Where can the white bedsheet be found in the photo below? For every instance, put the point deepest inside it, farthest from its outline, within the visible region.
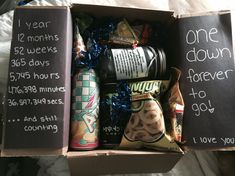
(193, 163)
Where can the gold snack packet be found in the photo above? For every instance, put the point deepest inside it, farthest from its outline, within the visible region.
(123, 35)
(173, 104)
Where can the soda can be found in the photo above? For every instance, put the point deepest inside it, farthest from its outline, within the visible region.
(111, 130)
(85, 110)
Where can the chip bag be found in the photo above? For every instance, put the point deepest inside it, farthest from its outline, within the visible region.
(146, 126)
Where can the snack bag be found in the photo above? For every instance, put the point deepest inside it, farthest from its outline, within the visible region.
(146, 127)
(147, 123)
(173, 104)
(124, 35)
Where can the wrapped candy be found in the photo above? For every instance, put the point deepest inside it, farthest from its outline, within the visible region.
(94, 37)
(124, 35)
(143, 32)
(173, 104)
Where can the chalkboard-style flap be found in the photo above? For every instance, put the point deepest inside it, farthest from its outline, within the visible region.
(37, 107)
(206, 59)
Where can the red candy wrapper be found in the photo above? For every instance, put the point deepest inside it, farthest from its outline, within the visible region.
(174, 107)
(143, 32)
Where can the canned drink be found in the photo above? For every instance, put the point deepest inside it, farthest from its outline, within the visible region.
(111, 130)
(85, 110)
(140, 63)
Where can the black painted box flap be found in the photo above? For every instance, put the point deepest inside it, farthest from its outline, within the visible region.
(37, 106)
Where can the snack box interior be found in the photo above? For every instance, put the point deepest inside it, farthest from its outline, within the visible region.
(203, 129)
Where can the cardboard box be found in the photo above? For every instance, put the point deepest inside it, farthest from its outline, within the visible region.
(204, 77)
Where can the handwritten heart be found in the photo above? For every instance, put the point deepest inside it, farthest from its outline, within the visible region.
(211, 110)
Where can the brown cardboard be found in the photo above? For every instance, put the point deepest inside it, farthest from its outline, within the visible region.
(111, 162)
(107, 161)
(33, 152)
(120, 162)
(129, 13)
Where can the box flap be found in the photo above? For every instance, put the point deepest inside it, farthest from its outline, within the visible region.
(120, 12)
(203, 14)
(37, 107)
(120, 162)
(33, 152)
(208, 80)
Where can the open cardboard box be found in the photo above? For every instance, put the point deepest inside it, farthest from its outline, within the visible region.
(190, 41)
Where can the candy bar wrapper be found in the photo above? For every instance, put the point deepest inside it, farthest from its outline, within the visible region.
(146, 126)
(124, 35)
(143, 32)
(174, 107)
(85, 110)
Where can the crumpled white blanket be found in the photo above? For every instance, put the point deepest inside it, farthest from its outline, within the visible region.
(193, 163)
